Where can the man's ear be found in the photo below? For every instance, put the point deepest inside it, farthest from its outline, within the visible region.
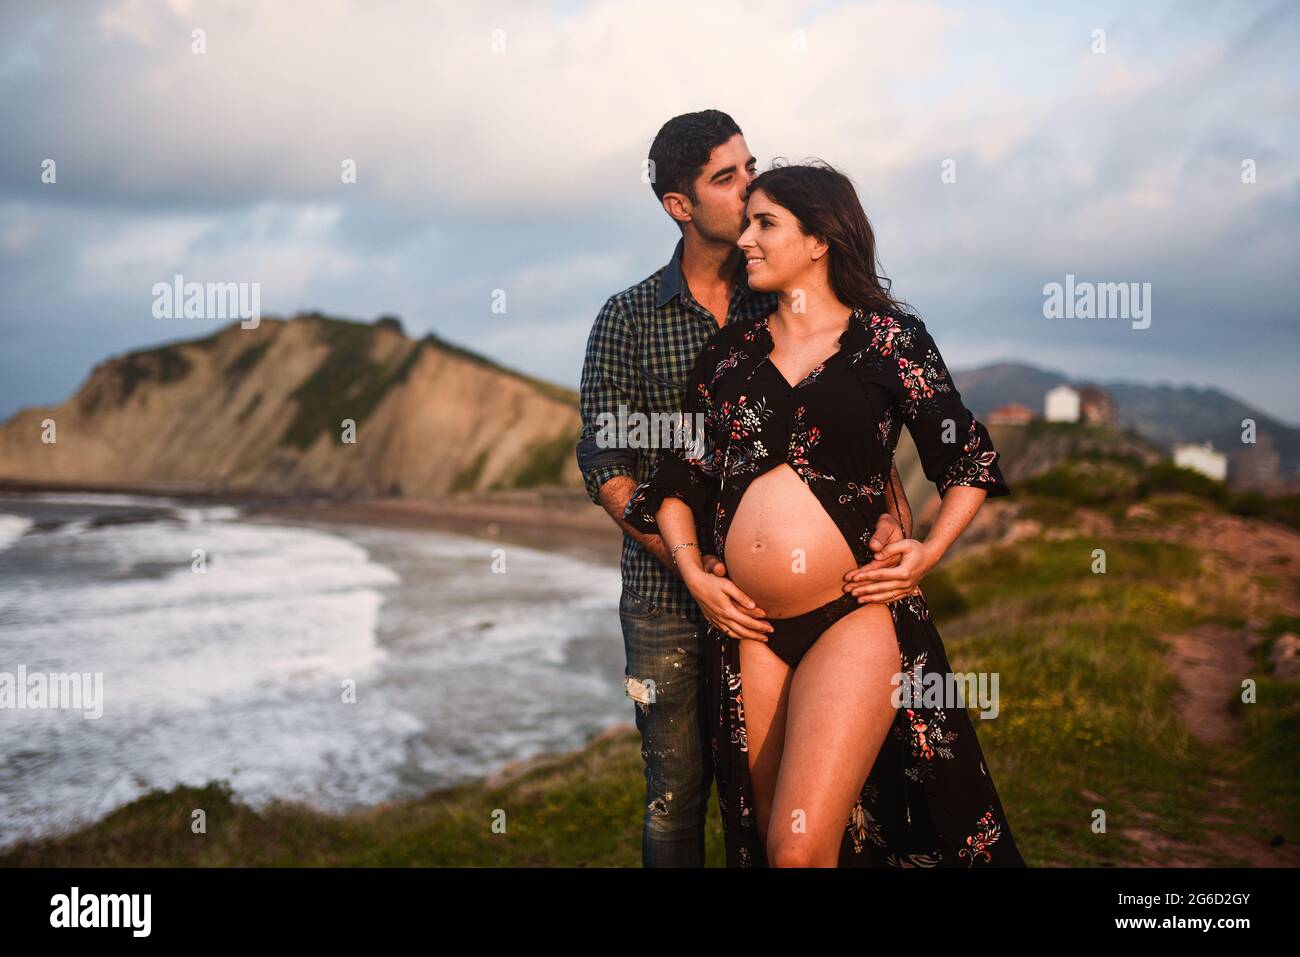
(678, 206)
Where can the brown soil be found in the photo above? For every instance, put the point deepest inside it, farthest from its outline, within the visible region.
(1210, 663)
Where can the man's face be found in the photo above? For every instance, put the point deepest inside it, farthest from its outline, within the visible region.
(721, 191)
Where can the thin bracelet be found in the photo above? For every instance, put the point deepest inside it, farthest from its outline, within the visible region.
(673, 553)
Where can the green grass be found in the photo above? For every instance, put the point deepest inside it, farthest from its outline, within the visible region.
(1092, 479)
(581, 808)
(544, 461)
(1088, 702)
(347, 384)
(247, 410)
(468, 477)
(1110, 481)
(549, 389)
(1271, 727)
(1284, 509)
(245, 362)
(162, 365)
(1085, 691)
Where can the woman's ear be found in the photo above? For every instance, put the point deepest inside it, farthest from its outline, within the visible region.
(818, 247)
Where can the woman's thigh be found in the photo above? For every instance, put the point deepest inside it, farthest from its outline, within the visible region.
(838, 710)
(766, 687)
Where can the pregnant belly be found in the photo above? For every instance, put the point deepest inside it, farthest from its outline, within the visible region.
(783, 549)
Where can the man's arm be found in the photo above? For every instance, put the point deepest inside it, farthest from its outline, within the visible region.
(896, 499)
(610, 379)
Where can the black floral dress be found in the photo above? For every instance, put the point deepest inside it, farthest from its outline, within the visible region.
(928, 800)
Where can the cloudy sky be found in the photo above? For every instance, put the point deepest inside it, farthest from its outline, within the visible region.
(499, 146)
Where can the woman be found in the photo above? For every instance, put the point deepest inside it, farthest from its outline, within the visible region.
(802, 411)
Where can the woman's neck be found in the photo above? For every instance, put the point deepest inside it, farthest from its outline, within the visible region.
(804, 313)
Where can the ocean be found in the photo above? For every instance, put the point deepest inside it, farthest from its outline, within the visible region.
(463, 657)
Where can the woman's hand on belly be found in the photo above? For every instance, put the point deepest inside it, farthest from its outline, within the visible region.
(724, 604)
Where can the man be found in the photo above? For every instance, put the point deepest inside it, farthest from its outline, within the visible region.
(642, 347)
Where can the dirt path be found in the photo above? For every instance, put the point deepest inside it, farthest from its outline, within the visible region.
(1210, 663)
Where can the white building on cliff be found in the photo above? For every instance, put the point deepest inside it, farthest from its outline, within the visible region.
(1201, 458)
(1061, 404)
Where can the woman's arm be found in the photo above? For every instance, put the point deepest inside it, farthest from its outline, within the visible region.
(721, 600)
(955, 450)
(676, 524)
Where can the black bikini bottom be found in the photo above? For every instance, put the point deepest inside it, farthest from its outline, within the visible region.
(792, 637)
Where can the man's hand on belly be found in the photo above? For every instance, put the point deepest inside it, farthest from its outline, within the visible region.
(713, 565)
(899, 575)
(887, 532)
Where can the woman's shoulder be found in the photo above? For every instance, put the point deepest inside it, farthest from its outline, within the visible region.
(902, 315)
(734, 334)
(898, 326)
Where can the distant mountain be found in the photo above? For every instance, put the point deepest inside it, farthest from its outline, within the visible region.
(1163, 413)
(264, 409)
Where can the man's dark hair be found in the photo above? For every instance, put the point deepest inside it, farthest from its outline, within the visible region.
(682, 147)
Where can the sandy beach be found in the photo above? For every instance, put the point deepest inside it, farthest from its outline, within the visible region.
(552, 519)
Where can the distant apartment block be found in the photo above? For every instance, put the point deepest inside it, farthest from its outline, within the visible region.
(1201, 457)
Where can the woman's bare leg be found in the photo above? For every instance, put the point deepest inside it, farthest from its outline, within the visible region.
(765, 687)
(838, 711)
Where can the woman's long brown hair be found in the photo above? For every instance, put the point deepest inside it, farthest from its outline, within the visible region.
(826, 205)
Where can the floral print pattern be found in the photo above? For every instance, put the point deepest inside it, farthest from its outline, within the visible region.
(928, 800)
(987, 833)
(802, 438)
(868, 490)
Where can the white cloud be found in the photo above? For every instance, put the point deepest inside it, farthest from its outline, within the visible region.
(521, 169)
(287, 250)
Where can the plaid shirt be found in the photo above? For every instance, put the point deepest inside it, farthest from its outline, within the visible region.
(642, 347)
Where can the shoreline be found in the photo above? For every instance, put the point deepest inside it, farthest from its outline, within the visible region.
(549, 519)
(538, 526)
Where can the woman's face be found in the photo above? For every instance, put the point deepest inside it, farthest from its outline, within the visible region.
(778, 256)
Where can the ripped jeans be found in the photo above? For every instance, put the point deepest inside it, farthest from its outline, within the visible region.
(665, 654)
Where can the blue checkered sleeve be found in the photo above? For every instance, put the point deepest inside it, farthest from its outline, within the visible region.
(609, 378)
